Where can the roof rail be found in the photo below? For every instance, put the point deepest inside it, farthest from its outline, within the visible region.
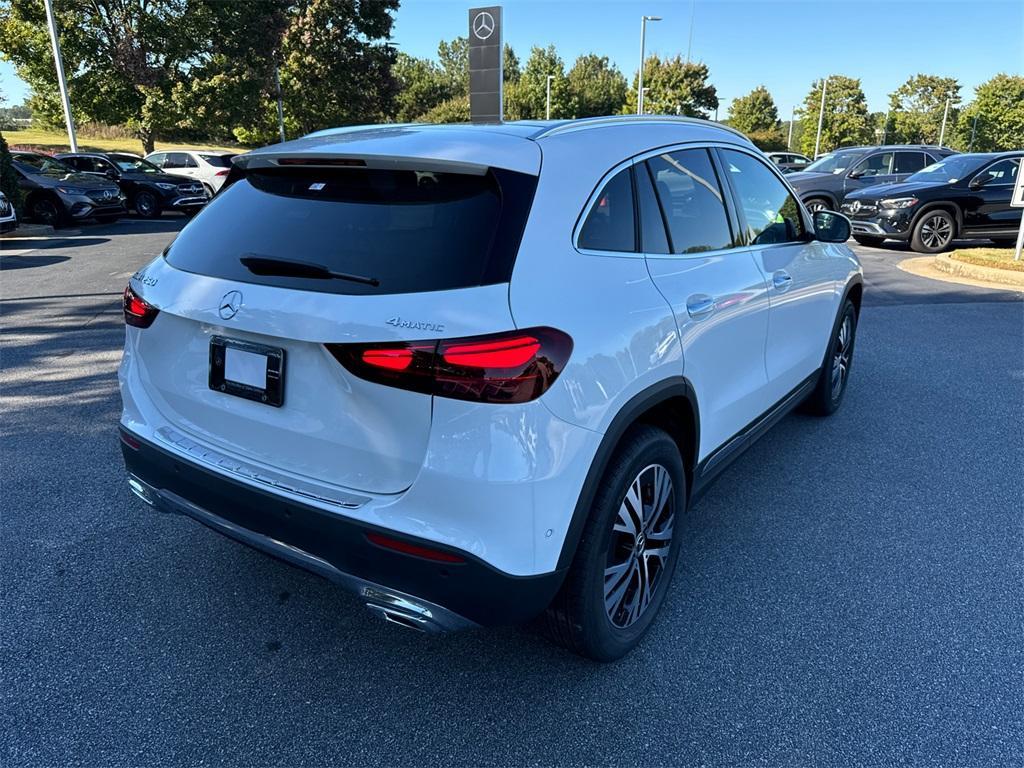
(600, 122)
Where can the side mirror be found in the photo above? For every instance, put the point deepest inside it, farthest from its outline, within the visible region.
(977, 182)
(831, 227)
(856, 174)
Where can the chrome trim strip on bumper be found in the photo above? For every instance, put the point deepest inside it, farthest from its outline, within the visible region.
(221, 463)
(190, 200)
(394, 606)
(867, 228)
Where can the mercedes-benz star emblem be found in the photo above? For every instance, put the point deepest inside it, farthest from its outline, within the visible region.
(230, 304)
(483, 25)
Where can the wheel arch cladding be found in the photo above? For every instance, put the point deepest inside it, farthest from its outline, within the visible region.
(670, 405)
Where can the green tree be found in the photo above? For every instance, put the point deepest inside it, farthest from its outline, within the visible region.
(754, 112)
(917, 106)
(421, 87)
(846, 115)
(454, 110)
(674, 87)
(529, 99)
(999, 108)
(597, 87)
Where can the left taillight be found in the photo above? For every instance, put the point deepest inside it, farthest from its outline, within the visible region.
(512, 367)
(138, 312)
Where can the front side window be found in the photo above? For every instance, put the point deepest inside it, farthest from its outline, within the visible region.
(609, 225)
(158, 159)
(691, 200)
(771, 212)
(875, 165)
(909, 162)
(1003, 172)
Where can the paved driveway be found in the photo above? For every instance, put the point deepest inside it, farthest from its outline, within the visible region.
(850, 592)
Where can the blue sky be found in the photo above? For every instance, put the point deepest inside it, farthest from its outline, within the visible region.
(782, 45)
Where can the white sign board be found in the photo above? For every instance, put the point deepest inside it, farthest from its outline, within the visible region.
(1017, 201)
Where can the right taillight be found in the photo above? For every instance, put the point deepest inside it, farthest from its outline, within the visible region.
(137, 311)
(511, 367)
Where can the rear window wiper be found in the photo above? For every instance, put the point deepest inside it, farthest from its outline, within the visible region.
(269, 266)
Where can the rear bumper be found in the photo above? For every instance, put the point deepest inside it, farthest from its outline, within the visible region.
(425, 594)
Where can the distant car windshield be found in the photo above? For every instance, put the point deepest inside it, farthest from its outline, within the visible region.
(834, 162)
(41, 164)
(949, 170)
(130, 164)
(220, 161)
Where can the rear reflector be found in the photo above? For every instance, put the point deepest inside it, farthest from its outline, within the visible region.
(512, 367)
(413, 549)
(130, 441)
(222, 173)
(138, 312)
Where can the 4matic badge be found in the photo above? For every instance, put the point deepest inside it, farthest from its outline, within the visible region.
(416, 325)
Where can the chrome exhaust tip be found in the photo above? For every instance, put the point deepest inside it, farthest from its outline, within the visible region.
(401, 610)
(143, 490)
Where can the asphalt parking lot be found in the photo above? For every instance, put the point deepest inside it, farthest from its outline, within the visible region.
(850, 592)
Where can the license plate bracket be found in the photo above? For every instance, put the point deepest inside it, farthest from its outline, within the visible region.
(235, 370)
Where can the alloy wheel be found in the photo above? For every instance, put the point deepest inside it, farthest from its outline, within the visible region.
(640, 545)
(936, 232)
(145, 204)
(46, 212)
(841, 357)
(817, 205)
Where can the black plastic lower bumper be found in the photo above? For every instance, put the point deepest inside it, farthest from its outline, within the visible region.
(470, 589)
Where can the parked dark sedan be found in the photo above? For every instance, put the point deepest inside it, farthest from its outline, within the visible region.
(825, 183)
(149, 190)
(960, 196)
(56, 194)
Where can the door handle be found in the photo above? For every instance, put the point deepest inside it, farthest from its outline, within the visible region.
(700, 305)
(781, 280)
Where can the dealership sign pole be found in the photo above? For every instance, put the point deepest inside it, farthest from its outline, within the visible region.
(486, 104)
(61, 82)
(1017, 201)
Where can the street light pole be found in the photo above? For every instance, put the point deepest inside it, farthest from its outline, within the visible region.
(640, 81)
(821, 117)
(61, 82)
(945, 114)
(974, 129)
(885, 127)
(689, 43)
(792, 119)
(280, 102)
(547, 111)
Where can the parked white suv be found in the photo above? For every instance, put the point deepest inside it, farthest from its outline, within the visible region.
(208, 166)
(474, 373)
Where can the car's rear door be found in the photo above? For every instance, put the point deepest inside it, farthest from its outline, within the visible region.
(718, 294)
(799, 271)
(908, 162)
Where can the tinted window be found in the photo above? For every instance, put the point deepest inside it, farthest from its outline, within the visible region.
(609, 224)
(220, 161)
(1003, 172)
(875, 165)
(800, 160)
(179, 160)
(33, 163)
(691, 199)
(411, 231)
(909, 162)
(772, 214)
(652, 223)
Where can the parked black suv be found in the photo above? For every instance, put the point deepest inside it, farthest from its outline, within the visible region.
(825, 183)
(148, 189)
(960, 196)
(56, 194)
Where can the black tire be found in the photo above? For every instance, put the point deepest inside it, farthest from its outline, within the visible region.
(871, 242)
(827, 397)
(47, 209)
(815, 204)
(578, 618)
(933, 231)
(147, 205)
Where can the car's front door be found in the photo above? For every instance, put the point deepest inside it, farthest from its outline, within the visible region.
(718, 295)
(800, 273)
(987, 208)
(874, 169)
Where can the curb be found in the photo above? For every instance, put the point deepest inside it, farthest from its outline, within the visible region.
(978, 272)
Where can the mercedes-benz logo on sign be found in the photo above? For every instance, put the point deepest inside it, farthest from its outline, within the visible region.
(230, 304)
(483, 25)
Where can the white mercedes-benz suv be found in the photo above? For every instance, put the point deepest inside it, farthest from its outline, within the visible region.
(479, 373)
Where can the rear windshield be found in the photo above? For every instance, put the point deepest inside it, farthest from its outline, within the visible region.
(221, 161)
(360, 231)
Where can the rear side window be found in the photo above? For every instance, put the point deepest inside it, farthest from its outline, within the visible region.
(609, 225)
(770, 211)
(691, 200)
(909, 162)
(399, 231)
(218, 161)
